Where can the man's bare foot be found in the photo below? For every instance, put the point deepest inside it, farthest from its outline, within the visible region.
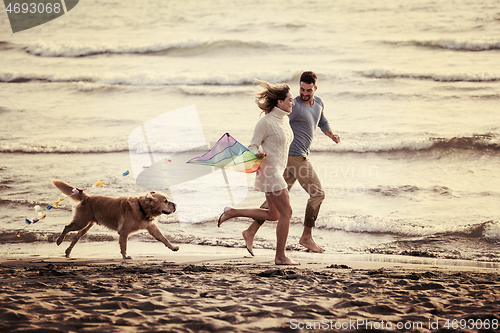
(311, 245)
(223, 217)
(285, 261)
(248, 241)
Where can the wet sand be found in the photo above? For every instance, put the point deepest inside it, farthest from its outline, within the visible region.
(232, 293)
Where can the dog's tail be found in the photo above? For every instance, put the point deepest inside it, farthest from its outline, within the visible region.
(69, 190)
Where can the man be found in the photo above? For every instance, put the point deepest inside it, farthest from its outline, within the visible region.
(307, 115)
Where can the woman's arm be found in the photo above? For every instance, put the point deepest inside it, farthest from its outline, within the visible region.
(259, 135)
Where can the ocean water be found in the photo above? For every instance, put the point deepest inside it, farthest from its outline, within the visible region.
(411, 87)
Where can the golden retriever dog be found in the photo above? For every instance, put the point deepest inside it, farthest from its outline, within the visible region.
(125, 215)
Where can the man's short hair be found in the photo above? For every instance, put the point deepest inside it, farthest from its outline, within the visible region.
(309, 77)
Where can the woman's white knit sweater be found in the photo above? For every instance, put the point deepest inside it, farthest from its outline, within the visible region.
(274, 134)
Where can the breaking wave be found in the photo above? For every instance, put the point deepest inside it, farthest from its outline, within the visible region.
(150, 78)
(185, 48)
(459, 77)
(451, 44)
(484, 142)
(478, 142)
(489, 230)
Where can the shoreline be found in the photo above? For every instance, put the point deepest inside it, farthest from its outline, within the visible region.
(108, 251)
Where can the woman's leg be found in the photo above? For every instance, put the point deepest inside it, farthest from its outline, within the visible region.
(249, 234)
(270, 214)
(279, 209)
(251, 231)
(281, 201)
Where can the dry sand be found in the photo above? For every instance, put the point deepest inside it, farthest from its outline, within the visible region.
(197, 294)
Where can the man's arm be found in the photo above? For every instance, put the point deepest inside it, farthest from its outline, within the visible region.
(334, 137)
(325, 126)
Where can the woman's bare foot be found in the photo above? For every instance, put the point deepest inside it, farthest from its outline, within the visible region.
(285, 261)
(224, 216)
(248, 241)
(311, 245)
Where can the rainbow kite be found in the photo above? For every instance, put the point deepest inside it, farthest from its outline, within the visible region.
(230, 154)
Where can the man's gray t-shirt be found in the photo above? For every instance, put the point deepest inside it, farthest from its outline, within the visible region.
(304, 120)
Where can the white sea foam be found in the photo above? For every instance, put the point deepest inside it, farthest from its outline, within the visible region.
(371, 224)
(376, 225)
(215, 90)
(492, 231)
(78, 49)
(460, 45)
(60, 147)
(360, 146)
(440, 77)
(149, 78)
(388, 145)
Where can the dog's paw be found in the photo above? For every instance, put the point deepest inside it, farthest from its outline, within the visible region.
(175, 248)
(127, 257)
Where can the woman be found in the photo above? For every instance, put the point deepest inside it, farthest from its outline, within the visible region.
(274, 135)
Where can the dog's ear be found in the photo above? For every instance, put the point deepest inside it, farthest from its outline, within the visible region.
(149, 196)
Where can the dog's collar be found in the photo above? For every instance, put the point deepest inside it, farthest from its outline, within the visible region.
(142, 210)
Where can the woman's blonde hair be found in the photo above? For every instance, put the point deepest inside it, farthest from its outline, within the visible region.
(268, 98)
